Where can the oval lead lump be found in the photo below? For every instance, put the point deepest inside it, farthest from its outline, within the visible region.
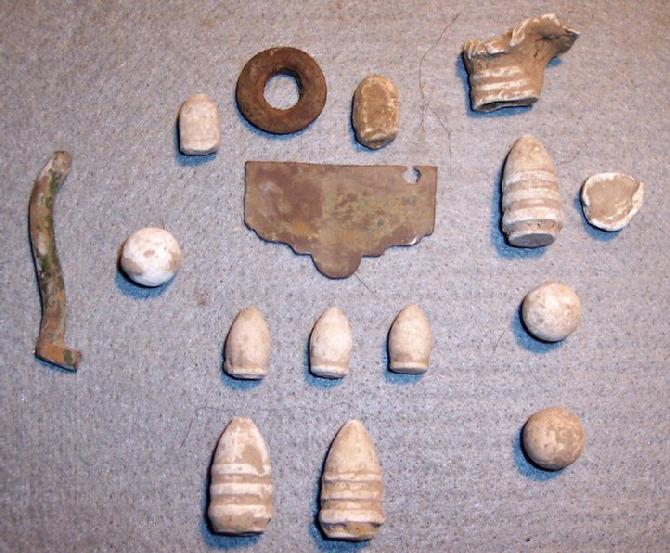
(375, 112)
(410, 341)
(240, 492)
(248, 346)
(199, 132)
(610, 200)
(352, 486)
(330, 345)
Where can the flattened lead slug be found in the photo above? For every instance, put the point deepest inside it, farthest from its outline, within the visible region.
(51, 341)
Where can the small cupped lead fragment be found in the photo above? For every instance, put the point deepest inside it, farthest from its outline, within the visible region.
(330, 345)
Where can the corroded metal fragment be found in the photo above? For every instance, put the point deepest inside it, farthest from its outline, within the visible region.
(339, 213)
(51, 341)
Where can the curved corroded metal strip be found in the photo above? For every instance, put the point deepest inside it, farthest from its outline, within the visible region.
(51, 341)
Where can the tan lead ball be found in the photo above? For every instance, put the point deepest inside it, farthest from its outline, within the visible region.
(552, 311)
(553, 438)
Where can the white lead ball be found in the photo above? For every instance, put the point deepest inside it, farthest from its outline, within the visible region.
(552, 311)
(151, 256)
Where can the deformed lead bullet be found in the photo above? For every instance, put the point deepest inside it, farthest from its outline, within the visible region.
(240, 492)
(352, 486)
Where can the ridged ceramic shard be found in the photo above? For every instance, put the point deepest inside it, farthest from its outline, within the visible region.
(352, 486)
(240, 492)
(410, 341)
(339, 213)
(554, 438)
(610, 200)
(199, 132)
(532, 203)
(248, 346)
(552, 311)
(330, 345)
(509, 70)
(376, 112)
(151, 256)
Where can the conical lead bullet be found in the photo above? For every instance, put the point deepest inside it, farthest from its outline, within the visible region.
(352, 486)
(240, 492)
(532, 203)
(330, 345)
(248, 346)
(410, 341)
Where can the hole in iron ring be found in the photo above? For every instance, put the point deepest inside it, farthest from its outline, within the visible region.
(260, 69)
(283, 89)
(411, 175)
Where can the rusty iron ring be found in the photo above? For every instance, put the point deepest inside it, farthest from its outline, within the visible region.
(260, 69)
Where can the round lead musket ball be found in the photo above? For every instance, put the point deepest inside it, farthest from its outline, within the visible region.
(553, 438)
(552, 311)
(151, 256)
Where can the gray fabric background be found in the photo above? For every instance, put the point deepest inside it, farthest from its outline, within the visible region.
(116, 457)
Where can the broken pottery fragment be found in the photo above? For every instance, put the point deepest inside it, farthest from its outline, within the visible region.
(240, 491)
(375, 112)
(552, 311)
(248, 346)
(553, 438)
(531, 198)
(509, 70)
(610, 200)
(199, 132)
(151, 256)
(410, 341)
(339, 213)
(352, 486)
(330, 345)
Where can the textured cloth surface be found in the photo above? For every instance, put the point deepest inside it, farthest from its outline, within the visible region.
(116, 456)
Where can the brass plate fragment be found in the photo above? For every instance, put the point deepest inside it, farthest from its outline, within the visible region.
(339, 213)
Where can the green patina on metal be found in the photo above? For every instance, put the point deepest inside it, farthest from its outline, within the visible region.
(51, 341)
